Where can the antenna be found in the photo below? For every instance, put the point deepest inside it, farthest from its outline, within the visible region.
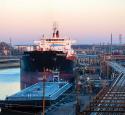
(55, 26)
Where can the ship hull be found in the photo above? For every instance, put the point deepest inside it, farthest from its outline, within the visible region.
(35, 64)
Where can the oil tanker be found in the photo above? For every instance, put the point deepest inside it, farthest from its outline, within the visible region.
(50, 56)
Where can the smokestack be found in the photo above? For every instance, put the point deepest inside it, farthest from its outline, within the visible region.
(57, 34)
(53, 35)
(55, 29)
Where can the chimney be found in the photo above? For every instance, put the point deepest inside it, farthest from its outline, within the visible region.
(57, 34)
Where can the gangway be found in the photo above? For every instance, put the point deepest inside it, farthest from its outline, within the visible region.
(116, 66)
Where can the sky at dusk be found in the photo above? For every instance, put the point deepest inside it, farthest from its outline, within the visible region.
(86, 21)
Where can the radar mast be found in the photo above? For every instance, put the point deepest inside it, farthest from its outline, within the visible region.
(55, 30)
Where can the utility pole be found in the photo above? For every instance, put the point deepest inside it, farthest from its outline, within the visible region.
(78, 83)
(120, 39)
(120, 42)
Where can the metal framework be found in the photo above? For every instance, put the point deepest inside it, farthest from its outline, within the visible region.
(110, 100)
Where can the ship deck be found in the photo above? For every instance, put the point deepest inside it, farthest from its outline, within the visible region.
(53, 90)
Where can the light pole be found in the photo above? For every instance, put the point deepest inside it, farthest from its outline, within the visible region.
(89, 87)
(43, 93)
(78, 86)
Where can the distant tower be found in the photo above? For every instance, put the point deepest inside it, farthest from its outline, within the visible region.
(111, 45)
(10, 45)
(43, 36)
(120, 39)
(10, 41)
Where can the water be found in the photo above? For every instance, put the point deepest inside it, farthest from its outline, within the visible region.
(9, 82)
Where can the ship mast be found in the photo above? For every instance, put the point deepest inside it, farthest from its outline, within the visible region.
(55, 30)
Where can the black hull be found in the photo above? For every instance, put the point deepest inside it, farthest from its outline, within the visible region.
(22, 107)
(34, 63)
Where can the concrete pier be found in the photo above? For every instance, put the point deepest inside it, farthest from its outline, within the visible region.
(9, 62)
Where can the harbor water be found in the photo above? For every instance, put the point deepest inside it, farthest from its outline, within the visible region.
(9, 82)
